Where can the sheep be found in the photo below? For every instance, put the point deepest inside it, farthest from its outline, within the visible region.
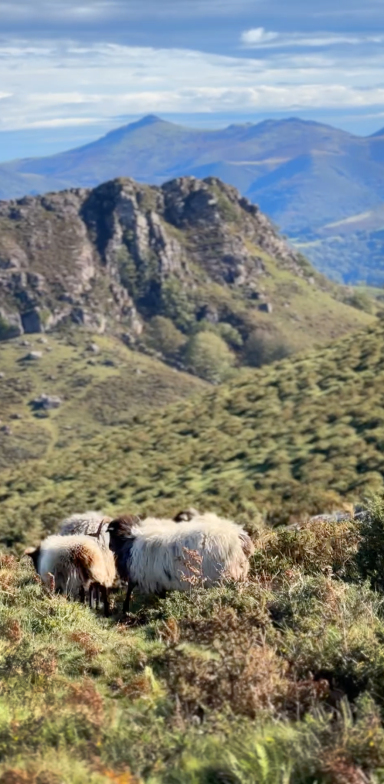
(153, 554)
(189, 514)
(92, 524)
(76, 563)
(85, 523)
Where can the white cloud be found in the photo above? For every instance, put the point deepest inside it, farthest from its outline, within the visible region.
(258, 37)
(53, 85)
(64, 122)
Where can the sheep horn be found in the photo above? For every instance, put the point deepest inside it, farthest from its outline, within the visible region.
(98, 532)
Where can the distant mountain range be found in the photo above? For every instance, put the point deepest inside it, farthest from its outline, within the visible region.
(322, 186)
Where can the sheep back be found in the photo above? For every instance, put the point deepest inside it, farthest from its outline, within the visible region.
(81, 523)
(160, 553)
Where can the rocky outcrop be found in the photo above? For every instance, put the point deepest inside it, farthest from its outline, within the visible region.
(113, 257)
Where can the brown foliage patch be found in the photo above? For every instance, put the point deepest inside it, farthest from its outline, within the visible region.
(135, 688)
(236, 669)
(12, 630)
(87, 700)
(169, 631)
(318, 546)
(242, 671)
(8, 561)
(85, 641)
(17, 776)
(338, 770)
(126, 777)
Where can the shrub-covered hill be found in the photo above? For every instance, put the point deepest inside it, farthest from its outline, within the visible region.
(278, 681)
(157, 265)
(296, 437)
(71, 387)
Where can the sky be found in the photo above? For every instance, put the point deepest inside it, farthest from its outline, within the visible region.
(71, 71)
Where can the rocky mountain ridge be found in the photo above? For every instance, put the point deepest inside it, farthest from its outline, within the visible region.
(304, 175)
(112, 258)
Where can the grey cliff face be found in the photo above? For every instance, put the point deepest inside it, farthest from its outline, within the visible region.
(100, 258)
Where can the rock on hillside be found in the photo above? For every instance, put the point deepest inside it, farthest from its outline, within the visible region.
(192, 251)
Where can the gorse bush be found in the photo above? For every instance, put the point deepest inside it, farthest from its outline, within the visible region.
(317, 547)
(281, 443)
(278, 680)
(370, 556)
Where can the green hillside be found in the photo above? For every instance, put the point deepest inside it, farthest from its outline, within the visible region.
(99, 382)
(294, 438)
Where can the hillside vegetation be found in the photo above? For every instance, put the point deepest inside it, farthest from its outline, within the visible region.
(159, 266)
(276, 681)
(294, 438)
(96, 383)
(304, 175)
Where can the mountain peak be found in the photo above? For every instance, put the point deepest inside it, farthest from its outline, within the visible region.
(149, 119)
(377, 133)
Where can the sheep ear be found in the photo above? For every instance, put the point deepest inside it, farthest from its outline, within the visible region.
(30, 551)
(33, 552)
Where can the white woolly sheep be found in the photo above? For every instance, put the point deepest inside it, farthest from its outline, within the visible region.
(76, 563)
(91, 524)
(154, 555)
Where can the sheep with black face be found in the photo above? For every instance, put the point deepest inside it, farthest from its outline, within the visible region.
(155, 555)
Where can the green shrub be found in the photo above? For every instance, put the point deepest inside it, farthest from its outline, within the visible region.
(370, 556)
(177, 304)
(209, 356)
(261, 349)
(162, 335)
(361, 301)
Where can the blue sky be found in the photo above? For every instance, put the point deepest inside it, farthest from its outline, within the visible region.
(70, 71)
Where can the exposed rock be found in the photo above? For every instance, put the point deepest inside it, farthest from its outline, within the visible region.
(10, 325)
(46, 402)
(31, 321)
(94, 348)
(6, 430)
(266, 307)
(33, 355)
(92, 321)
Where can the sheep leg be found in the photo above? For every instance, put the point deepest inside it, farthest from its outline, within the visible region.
(105, 599)
(162, 594)
(90, 596)
(97, 595)
(82, 595)
(128, 597)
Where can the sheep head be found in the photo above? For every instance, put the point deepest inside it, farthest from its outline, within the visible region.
(122, 526)
(186, 515)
